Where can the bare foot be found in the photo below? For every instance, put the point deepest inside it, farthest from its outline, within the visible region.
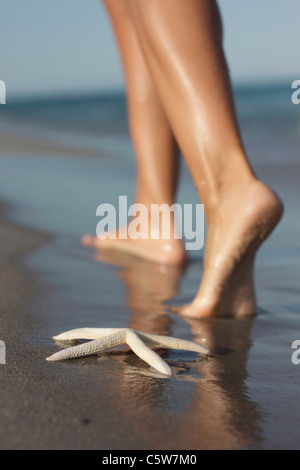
(158, 251)
(238, 229)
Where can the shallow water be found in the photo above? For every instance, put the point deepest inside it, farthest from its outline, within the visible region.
(245, 395)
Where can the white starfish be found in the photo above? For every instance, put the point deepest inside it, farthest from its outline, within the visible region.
(108, 338)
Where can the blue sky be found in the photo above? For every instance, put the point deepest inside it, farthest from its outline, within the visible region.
(59, 46)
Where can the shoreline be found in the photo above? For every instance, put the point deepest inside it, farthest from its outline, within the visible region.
(14, 141)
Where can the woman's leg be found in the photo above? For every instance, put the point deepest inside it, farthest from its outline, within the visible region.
(155, 147)
(182, 43)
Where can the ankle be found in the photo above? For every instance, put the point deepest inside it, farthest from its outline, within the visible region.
(227, 195)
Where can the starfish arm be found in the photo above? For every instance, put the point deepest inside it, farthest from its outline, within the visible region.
(93, 347)
(85, 333)
(149, 356)
(172, 343)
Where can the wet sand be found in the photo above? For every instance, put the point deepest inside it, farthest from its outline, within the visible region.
(244, 396)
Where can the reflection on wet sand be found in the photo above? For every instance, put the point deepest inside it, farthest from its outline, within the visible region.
(148, 286)
(205, 404)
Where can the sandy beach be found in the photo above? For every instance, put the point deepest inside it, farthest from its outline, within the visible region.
(243, 397)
